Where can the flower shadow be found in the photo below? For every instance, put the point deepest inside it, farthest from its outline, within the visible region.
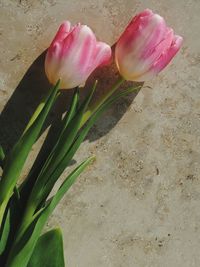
(34, 85)
(23, 102)
(106, 77)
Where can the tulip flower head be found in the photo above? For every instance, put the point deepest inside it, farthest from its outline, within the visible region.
(146, 47)
(74, 54)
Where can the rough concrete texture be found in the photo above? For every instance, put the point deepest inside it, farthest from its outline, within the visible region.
(139, 204)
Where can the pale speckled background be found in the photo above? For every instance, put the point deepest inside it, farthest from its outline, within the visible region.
(139, 204)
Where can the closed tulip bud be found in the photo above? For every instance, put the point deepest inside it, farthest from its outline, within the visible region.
(74, 54)
(146, 47)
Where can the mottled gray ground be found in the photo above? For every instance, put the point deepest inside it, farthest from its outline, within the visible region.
(138, 205)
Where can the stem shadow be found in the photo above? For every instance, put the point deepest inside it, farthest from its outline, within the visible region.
(34, 85)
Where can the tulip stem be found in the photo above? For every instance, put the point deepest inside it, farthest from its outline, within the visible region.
(94, 107)
(2, 157)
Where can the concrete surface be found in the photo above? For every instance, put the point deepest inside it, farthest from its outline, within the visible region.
(139, 204)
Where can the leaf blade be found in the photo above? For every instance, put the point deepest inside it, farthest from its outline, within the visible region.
(15, 160)
(26, 240)
(48, 251)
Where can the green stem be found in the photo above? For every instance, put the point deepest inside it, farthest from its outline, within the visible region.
(93, 107)
(27, 218)
(2, 157)
(37, 112)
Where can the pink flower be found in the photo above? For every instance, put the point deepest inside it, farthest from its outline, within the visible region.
(73, 55)
(146, 47)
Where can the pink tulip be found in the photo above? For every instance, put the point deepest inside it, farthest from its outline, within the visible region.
(146, 47)
(74, 54)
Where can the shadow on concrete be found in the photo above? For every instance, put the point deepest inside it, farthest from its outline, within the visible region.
(34, 85)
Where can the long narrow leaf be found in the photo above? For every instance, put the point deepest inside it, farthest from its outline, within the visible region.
(2, 157)
(25, 241)
(73, 108)
(65, 142)
(69, 155)
(44, 158)
(8, 227)
(68, 135)
(4, 231)
(38, 111)
(14, 162)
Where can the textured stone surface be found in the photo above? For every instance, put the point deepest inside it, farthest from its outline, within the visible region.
(138, 205)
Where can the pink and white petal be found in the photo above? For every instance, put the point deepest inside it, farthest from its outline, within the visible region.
(79, 60)
(149, 27)
(168, 55)
(129, 66)
(68, 75)
(77, 73)
(159, 34)
(76, 39)
(158, 50)
(132, 60)
(134, 25)
(62, 32)
(132, 33)
(52, 62)
(102, 55)
(86, 52)
(69, 41)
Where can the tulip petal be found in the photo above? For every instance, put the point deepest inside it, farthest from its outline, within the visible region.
(167, 55)
(102, 54)
(151, 31)
(159, 34)
(147, 45)
(63, 31)
(158, 49)
(51, 61)
(74, 54)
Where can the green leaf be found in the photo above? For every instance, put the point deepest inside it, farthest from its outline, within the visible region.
(26, 239)
(72, 110)
(43, 158)
(65, 142)
(95, 106)
(48, 251)
(66, 120)
(68, 135)
(4, 231)
(83, 133)
(65, 161)
(2, 156)
(38, 111)
(14, 162)
(10, 223)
